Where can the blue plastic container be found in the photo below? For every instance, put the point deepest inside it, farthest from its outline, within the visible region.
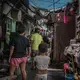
(69, 77)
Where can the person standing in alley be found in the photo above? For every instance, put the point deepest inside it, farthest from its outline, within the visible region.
(18, 48)
(36, 39)
(41, 62)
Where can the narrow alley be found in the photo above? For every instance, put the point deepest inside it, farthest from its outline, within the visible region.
(40, 38)
(53, 74)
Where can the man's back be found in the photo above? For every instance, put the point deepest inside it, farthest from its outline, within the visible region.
(20, 44)
(37, 39)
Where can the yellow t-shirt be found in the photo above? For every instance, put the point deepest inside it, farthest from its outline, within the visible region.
(36, 40)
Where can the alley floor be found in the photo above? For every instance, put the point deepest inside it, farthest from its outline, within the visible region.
(52, 74)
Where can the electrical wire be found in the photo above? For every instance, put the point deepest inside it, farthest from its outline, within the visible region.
(58, 7)
(45, 1)
(55, 2)
(34, 3)
(48, 1)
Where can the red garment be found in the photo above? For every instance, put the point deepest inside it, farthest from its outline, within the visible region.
(17, 61)
(65, 19)
(66, 66)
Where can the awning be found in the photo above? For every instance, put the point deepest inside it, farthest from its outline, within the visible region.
(20, 2)
(49, 4)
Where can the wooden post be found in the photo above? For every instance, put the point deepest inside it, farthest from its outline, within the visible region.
(55, 45)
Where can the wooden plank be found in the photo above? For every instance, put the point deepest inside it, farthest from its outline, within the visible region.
(54, 55)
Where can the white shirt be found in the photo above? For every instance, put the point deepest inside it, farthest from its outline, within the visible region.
(42, 62)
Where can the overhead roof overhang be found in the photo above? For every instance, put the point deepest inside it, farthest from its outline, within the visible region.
(19, 3)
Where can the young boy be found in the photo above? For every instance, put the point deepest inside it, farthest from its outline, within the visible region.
(42, 61)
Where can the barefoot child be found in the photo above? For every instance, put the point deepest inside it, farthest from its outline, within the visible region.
(18, 53)
(42, 61)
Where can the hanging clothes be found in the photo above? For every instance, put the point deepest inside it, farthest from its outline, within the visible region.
(72, 11)
(65, 17)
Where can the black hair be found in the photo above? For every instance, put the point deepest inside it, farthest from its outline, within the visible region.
(46, 40)
(36, 30)
(43, 48)
(32, 31)
(20, 28)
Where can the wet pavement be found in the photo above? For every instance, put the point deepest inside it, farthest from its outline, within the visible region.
(53, 74)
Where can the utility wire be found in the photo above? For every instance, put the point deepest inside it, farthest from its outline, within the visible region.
(51, 5)
(34, 3)
(47, 1)
(60, 7)
(44, 1)
(55, 2)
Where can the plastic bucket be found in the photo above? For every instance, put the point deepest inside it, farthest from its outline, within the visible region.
(69, 77)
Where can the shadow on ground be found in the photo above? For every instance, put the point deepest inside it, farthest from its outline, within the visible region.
(52, 75)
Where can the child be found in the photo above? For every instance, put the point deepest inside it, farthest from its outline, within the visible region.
(18, 56)
(42, 61)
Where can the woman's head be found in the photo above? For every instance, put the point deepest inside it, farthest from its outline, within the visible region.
(43, 47)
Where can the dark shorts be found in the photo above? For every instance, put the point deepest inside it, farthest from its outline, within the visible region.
(34, 53)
